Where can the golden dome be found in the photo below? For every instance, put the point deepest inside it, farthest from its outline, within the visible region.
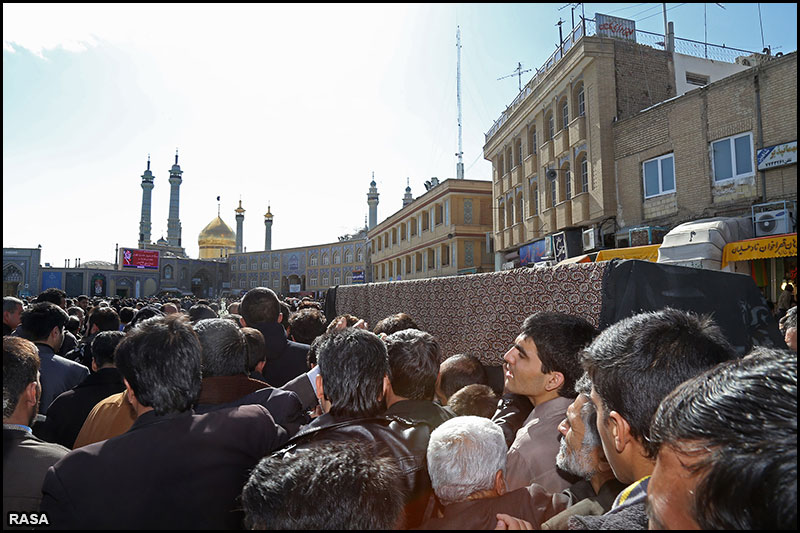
(217, 232)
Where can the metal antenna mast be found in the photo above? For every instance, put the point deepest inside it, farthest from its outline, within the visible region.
(517, 72)
(460, 153)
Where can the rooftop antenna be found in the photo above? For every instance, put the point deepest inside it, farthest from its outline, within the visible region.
(460, 153)
(517, 72)
(218, 212)
(705, 26)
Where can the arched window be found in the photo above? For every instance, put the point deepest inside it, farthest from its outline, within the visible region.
(584, 170)
(360, 255)
(348, 256)
(567, 181)
(313, 260)
(325, 280)
(325, 259)
(551, 125)
(533, 196)
(337, 258)
(501, 213)
(580, 100)
(168, 272)
(564, 114)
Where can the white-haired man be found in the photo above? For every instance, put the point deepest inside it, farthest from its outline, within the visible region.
(467, 464)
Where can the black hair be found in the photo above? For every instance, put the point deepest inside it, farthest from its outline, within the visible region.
(414, 359)
(636, 362)
(394, 323)
(559, 338)
(224, 347)
(352, 364)
(256, 347)
(40, 319)
(20, 369)
(460, 370)
(52, 295)
(103, 346)
(160, 358)
(126, 314)
(475, 400)
(336, 485)
(307, 324)
(105, 318)
(286, 312)
(200, 312)
(73, 324)
(738, 421)
(259, 305)
(143, 314)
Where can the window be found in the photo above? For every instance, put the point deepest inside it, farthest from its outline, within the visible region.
(313, 260)
(276, 263)
(242, 284)
(519, 151)
(253, 284)
(348, 280)
(264, 265)
(337, 258)
(276, 283)
(696, 79)
(438, 214)
(659, 176)
(325, 280)
(360, 255)
(336, 279)
(348, 256)
(510, 209)
(584, 168)
(533, 196)
(167, 272)
(581, 102)
(532, 140)
(233, 266)
(313, 280)
(518, 194)
(732, 157)
(553, 193)
(325, 260)
(501, 213)
(564, 114)
(551, 126)
(567, 183)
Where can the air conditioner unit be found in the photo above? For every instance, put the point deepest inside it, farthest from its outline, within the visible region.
(772, 223)
(591, 239)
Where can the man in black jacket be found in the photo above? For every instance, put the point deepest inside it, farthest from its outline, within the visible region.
(173, 469)
(353, 378)
(261, 309)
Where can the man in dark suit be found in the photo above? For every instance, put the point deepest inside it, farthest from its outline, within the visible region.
(68, 412)
(25, 457)
(173, 469)
(261, 309)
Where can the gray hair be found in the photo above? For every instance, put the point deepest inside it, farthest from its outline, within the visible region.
(10, 304)
(464, 454)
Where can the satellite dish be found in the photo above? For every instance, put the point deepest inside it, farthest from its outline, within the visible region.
(551, 174)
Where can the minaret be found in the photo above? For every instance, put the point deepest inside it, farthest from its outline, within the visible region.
(268, 230)
(372, 200)
(174, 221)
(147, 191)
(407, 199)
(239, 227)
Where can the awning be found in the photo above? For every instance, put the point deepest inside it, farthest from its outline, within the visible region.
(760, 248)
(646, 253)
(585, 258)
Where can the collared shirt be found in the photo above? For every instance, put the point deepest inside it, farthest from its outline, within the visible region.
(532, 455)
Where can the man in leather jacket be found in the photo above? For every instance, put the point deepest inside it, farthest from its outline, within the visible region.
(353, 378)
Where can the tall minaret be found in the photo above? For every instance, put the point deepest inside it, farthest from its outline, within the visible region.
(372, 200)
(147, 191)
(174, 221)
(268, 230)
(407, 199)
(239, 227)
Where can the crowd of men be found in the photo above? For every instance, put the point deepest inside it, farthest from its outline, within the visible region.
(266, 414)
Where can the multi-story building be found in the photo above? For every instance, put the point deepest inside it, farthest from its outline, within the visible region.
(441, 233)
(306, 269)
(552, 149)
(707, 154)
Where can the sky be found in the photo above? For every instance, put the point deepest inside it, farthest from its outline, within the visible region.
(287, 106)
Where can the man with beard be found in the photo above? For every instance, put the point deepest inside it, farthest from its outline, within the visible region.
(26, 458)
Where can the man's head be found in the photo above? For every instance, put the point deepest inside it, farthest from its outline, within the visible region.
(475, 400)
(456, 372)
(354, 370)
(21, 388)
(285, 313)
(160, 360)
(103, 319)
(544, 362)
(634, 364)
(169, 308)
(414, 359)
(233, 308)
(394, 323)
(789, 323)
(260, 305)
(256, 349)
(306, 325)
(54, 296)
(12, 312)
(44, 322)
(200, 312)
(83, 302)
(727, 448)
(334, 486)
(581, 451)
(224, 347)
(467, 457)
(103, 346)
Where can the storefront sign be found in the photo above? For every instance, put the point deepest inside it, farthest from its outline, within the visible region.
(761, 248)
(617, 28)
(645, 253)
(777, 156)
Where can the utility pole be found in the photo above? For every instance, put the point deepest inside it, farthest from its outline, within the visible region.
(460, 153)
